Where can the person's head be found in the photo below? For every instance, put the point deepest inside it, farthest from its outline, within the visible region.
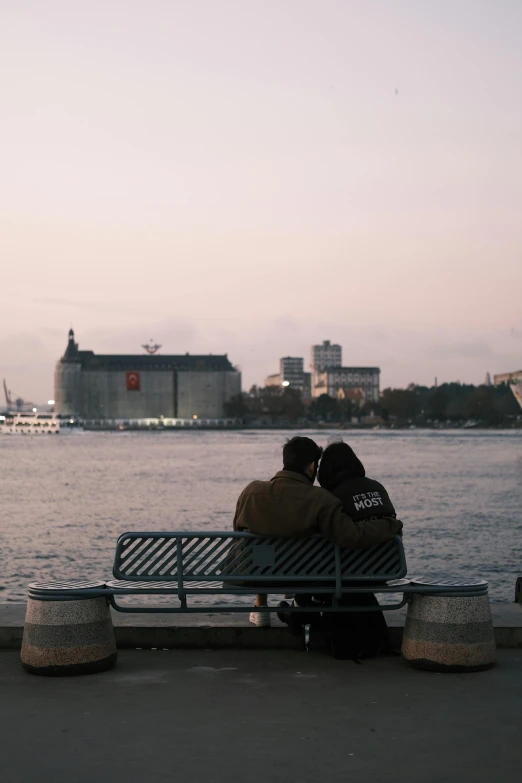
(339, 458)
(302, 455)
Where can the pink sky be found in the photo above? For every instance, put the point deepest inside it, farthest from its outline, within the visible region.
(242, 176)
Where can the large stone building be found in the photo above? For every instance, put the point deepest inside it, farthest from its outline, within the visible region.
(332, 379)
(130, 386)
(326, 355)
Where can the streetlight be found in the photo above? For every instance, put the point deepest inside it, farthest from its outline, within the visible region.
(285, 383)
(50, 402)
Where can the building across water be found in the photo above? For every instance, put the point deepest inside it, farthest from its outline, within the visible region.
(291, 373)
(140, 386)
(330, 377)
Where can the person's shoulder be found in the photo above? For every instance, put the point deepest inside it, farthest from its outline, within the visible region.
(374, 484)
(324, 496)
(255, 487)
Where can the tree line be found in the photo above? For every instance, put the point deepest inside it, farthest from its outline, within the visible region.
(449, 403)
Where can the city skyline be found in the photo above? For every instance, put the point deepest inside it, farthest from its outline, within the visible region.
(252, 178)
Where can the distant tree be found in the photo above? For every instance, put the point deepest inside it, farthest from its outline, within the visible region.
(456, 402)
(347, 409)
(292, 404)
(237, 407)
(401, 403)
(325, 408)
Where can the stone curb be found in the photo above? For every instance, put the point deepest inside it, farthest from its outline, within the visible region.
(232, 631)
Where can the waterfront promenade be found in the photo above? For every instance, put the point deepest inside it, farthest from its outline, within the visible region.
(262, 716)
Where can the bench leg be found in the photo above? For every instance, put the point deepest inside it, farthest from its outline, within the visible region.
(446, 634)
(68, 637)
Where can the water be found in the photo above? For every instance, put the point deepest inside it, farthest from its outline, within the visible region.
(65, 500)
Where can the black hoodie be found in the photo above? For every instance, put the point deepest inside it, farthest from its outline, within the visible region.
(362, 498)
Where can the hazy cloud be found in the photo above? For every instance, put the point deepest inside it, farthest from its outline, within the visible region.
(212, 191)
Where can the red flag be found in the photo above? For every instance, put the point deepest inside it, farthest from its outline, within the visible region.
(133, 381)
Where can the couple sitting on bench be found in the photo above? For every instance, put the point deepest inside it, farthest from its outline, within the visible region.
(349, 509)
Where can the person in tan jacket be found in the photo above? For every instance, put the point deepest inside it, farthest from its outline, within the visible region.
(290, 505)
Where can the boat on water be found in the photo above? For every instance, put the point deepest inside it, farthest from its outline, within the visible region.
(37, 424)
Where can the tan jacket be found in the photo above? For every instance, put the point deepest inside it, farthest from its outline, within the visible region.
(290, 506)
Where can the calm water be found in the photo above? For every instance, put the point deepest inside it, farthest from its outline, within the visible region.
(64, 500)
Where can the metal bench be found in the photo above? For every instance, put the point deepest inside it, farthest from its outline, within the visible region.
(193, 568)
(187, 564)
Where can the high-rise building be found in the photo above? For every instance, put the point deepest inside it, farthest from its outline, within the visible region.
(323, 356)
(326, 355)
(291, 370)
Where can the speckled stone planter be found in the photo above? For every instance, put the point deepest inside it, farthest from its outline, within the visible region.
(446, 634)
(68, 637)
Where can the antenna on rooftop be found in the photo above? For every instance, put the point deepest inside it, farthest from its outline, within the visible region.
(151, 347)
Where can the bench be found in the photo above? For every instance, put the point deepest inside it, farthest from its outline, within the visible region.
(188, 564)
(216, 571)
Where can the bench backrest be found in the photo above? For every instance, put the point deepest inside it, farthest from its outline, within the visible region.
(248, 558)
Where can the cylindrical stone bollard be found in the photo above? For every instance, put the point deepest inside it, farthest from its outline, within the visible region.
(449, 634)
(67, 637)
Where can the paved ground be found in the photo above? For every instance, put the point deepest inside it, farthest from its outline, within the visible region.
(260, 716)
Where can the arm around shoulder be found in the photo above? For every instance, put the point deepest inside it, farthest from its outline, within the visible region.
(340, 528)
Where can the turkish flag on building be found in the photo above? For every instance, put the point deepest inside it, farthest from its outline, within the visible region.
(133, 381)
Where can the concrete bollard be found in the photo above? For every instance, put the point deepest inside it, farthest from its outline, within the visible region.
(449, 634)
(72, 636)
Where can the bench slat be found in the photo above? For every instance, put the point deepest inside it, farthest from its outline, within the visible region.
(243, 557)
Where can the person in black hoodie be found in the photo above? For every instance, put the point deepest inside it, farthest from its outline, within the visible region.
(355, 634)
(342, 473)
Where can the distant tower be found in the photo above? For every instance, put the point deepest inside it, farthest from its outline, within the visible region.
(487, 380)
(72, 346)
(322, 357)
(326, 355)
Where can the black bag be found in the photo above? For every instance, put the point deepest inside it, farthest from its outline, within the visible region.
(356, 635)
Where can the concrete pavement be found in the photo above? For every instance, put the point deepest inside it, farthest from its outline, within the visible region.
(272, 716)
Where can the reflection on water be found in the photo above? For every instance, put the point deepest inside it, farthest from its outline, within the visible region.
(64, 501)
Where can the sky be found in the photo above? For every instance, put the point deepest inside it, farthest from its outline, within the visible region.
(251, 177)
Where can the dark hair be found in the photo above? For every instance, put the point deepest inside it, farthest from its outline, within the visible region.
(299, 452)
(339, 458)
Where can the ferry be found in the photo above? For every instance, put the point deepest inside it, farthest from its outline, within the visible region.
(37, 424)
